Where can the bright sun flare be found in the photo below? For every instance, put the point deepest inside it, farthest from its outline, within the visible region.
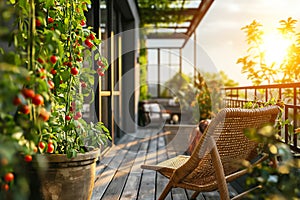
(275, 47)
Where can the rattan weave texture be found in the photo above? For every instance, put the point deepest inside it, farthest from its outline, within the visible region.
(216, 157)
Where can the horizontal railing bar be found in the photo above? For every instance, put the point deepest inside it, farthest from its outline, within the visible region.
(284, 85)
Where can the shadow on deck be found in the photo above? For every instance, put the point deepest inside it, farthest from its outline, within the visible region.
(119, 175)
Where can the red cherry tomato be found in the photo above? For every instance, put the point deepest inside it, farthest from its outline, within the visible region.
(68, 117)
(78, 114)
(92, 36)
(53, 59)
(28, 158)
(38, 100)
(8, 177)
(42, 145)
(51, 84)
(16, 101)
(100, 63)
(5, 187)
(88, 43)
(40, 60)
(25, 109)
(38, 23)
(50, 20)
(100, 72)
(28, 93)
(74, 71)
(44, 115)
(53, 71)
(50, 148)
(83, 84)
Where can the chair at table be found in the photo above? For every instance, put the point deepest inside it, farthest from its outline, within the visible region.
(215, 160)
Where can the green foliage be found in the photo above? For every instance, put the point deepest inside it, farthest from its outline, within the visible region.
(158, 12)
(208, 98)
(201, 98)
(278, 176)
(276, 180)
(47, 70)
(254, 64)
(143, 70)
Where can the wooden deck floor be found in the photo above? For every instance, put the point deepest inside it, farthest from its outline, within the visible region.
(119, 175)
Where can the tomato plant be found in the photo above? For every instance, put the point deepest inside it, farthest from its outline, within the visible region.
(41, 100)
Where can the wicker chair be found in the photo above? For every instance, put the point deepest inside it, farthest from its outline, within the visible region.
(215, 160)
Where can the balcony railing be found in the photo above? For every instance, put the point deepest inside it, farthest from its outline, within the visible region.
(289, 94)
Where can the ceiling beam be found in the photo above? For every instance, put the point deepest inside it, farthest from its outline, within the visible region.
(166, 36)
(203, 8)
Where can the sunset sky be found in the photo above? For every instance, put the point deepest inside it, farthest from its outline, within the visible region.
(220, 34)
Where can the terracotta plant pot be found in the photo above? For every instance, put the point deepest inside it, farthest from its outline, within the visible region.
(61, 178)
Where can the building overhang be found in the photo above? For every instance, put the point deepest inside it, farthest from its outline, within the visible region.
(177, 19)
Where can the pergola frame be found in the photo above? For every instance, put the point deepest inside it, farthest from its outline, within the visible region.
(156, 29)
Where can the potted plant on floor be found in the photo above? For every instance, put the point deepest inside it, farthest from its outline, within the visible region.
(46, 73)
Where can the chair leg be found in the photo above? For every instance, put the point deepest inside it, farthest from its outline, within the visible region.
(195, 194)
(165, 191)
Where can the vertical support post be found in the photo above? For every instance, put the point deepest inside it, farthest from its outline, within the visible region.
(295, 139)
(119, 79)
(112, 81)
(180, 61)
(110, 48)
(158, 72)
(170, 62)
(98, 86)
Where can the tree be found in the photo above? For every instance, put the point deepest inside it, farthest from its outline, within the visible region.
(255, 63)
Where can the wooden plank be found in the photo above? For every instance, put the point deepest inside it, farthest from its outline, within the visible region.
(190, 193)
(116, 185)
(179, 194)
(119, 175)
(132, 186)
(103, 180)
(147, 188)
(148, 178)
(115, 188)
(211, 195)
(161, 181)
(232, 191)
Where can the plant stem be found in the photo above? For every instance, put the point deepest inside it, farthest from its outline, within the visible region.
(31, 34)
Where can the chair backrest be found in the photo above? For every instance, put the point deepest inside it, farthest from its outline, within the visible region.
(226, 130)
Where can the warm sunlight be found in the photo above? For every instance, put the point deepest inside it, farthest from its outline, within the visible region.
(275, 47)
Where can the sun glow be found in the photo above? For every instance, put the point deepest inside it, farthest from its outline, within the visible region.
(275, 47)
